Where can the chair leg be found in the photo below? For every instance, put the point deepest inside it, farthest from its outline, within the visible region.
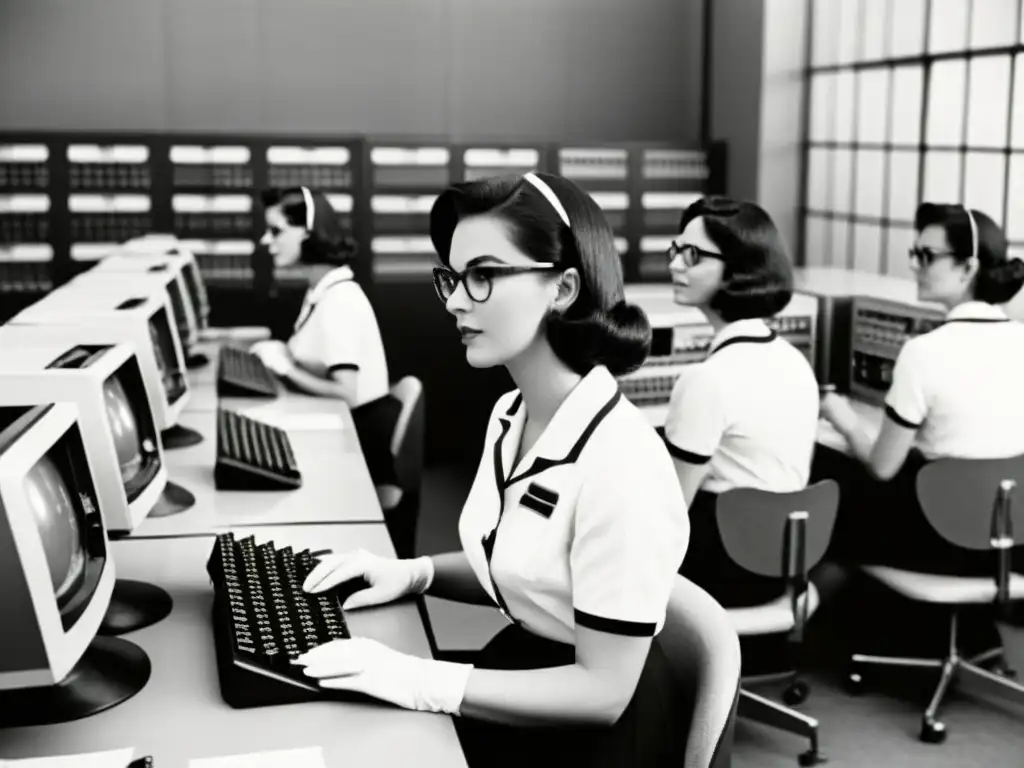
(765, 711)
(932, 729)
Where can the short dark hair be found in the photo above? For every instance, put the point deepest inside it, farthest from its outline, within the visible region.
(758, 276)
(999, 277)
(328, 243)
(600, 328)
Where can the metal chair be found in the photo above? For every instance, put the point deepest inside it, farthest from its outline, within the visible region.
(401, 500)
(967, 501)
(704, 651)
(780, 535)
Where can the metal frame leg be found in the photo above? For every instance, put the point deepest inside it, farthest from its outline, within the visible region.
(770, 713)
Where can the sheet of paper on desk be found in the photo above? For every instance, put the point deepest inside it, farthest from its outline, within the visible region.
(308, 757)
(268, 414)
(111, 758)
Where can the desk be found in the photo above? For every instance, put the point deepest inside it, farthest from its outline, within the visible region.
(180, 715)
(336, 485)
(827, 434)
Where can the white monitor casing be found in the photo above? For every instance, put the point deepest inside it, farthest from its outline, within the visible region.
(42, 652)
(90, 317)
(26, 379)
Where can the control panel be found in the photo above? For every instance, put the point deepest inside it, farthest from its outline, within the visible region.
(879, 329)
(682, 336)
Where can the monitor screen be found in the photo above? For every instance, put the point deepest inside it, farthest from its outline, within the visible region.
(196, 292)
(133, 429)
(60, 528)
(178, 305)
(125, 429)
(167, 361)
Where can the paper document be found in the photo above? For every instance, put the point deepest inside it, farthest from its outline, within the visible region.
(308, 757)
(111, 758)
(269, 414)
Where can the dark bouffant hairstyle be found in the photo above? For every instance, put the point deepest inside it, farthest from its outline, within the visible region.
(758, 276)
(999, 277)
(328, 243)
(600, 328)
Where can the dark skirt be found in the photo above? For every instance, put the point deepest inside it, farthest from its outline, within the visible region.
(881, 523)
(709, 566)
(651, 731)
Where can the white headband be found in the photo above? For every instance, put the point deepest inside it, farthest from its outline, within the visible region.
(974, 233)
(308, 199)
(545, 190)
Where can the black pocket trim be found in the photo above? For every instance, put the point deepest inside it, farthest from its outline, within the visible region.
(542, 493)
(540, 507)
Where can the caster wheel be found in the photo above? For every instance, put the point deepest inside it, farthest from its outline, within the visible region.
(933, 731)
(812, 757)
(1000, 668)
(854, 683)
(796, 693)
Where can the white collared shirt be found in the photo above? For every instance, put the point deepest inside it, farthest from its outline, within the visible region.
(750, 411)
(336, 330)
(962, 385)
(593, 525)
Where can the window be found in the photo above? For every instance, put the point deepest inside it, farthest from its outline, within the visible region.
(910, 100)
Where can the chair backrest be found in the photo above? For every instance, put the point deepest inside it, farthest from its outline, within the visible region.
(957, 497)
(703, 650)
(753, 525)
(408, 437)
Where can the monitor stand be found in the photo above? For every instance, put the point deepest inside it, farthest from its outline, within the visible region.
(180, 436)
(134, 605)
(197, 360)
(110, 672)
(172, 501)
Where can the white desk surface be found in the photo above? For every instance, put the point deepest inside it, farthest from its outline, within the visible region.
(180, 714)
(827, 434)
(203, 397)
(336, 485)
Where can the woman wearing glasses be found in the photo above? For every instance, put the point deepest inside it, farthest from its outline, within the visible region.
(745, 417)
(575, 524)
(335, 349)
(955, 393)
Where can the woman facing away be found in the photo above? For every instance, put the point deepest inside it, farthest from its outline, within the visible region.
(575, 524)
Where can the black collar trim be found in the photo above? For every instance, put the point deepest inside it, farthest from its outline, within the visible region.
(744, 340)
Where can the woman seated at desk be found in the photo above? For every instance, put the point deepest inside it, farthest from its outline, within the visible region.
(575, 523)
(958, 391)
(747, 416)
(335, 349)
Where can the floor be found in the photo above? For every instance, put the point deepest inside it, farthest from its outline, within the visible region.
(878, 728)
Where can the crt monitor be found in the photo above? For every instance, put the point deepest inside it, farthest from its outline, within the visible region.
(57, 576)
(120, 436)
(96, 317)
(165, 277)
(105, 382)
(167, 245)
(878, 330)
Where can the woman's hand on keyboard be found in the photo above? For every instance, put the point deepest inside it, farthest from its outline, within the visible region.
(274, 355)
(389, 578)
(369, 667)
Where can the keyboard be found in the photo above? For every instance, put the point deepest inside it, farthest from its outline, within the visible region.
(253, 456)
(262, 620)
(243, 374)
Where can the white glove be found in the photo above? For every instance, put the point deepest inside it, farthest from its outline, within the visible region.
(369, 667)
(388, 577)
(274, 355)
